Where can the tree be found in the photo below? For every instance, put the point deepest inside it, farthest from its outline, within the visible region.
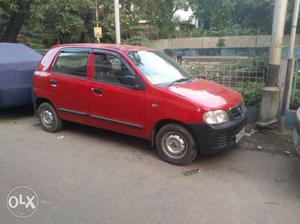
(16, 14)
(160, 13)
(43, 23)
(255, 15)
(213, 15)
(232, 17)
(63, 21)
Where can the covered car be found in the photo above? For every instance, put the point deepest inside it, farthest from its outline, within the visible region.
(296, 132)
(17, 65)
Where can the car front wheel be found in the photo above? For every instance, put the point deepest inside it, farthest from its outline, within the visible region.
(48, 118)
(175, 144)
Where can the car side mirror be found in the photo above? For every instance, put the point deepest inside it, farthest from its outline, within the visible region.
(133, 82)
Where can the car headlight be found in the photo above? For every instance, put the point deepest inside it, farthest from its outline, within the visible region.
(216, 117)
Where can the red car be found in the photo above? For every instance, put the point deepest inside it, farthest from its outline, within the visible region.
(139, 92)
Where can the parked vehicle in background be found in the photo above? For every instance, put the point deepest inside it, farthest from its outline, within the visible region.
(139, 92)
(296, 132)
(17, 65)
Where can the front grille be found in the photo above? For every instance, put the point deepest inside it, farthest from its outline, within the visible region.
(237, 111)
(222, 140)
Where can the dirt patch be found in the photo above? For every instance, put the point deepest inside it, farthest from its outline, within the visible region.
(269, 141)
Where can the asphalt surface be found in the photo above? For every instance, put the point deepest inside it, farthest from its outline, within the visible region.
(87, 175)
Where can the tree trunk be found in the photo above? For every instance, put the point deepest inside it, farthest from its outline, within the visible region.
(82, 37)
(16, 21)
(13, 28)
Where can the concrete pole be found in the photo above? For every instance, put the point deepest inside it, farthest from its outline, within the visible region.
(97, 18)
(117, 21)
(271, 92)
(290, 66)
(294, 29)
(97, 13)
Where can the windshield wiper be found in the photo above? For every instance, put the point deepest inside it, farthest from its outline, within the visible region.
(179, 80)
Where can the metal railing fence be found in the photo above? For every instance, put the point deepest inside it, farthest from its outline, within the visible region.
(231, 73)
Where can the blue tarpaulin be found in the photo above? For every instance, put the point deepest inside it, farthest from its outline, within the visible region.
(17, 64)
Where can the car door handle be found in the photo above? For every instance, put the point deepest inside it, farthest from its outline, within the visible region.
(53, 82)
(97, 90)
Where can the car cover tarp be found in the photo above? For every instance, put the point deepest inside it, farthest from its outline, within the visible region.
(17, 64)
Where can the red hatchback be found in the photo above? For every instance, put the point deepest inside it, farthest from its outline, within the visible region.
(140, 92)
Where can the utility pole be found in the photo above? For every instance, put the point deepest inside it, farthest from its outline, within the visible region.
(290, 66)
(97, 13)
(97, 29)
(117, 21)
(271, 92)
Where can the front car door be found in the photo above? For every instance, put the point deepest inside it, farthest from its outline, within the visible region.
(115, 104)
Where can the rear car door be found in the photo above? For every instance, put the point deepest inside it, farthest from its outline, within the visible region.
(69, 85)
(115, 104)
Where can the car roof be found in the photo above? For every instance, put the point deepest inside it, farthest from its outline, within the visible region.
(116, 47)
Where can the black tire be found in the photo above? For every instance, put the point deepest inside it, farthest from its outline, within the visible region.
(171, 138)
(44, 110)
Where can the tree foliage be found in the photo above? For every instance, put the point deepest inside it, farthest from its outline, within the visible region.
(64, 21)
(213, 14)
(42, 23)
(234, 16)
(13, 15)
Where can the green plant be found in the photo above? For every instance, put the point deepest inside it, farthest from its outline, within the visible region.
(297, 97)
(141, 41)
(251, 92)
(221, 42)
(295, 101)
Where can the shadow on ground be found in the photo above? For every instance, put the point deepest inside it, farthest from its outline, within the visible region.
(16, 112)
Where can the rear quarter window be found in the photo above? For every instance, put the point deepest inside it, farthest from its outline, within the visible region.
(47, 59)
(71, 63)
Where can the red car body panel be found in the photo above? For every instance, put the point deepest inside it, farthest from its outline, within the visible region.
(142, 109)
(207, 95)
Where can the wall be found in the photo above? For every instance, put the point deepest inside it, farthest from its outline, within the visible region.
(211, 42)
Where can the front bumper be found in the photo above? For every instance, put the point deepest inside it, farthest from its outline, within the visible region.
(215, 138)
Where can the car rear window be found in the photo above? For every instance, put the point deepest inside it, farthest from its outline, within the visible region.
(71, 63)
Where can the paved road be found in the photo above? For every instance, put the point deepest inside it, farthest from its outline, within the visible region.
(93, 176)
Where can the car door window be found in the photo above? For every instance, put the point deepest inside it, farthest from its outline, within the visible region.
(71, 63)
(110, 69)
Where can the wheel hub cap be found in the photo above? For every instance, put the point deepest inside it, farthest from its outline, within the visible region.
(47, 117)
(174, 146)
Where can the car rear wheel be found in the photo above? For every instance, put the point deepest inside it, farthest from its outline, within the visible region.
(48, 118)
(175, 144)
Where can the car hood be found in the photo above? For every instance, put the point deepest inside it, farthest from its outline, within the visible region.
(206, 94)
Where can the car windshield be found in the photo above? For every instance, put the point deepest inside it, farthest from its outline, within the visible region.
(159, 68)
